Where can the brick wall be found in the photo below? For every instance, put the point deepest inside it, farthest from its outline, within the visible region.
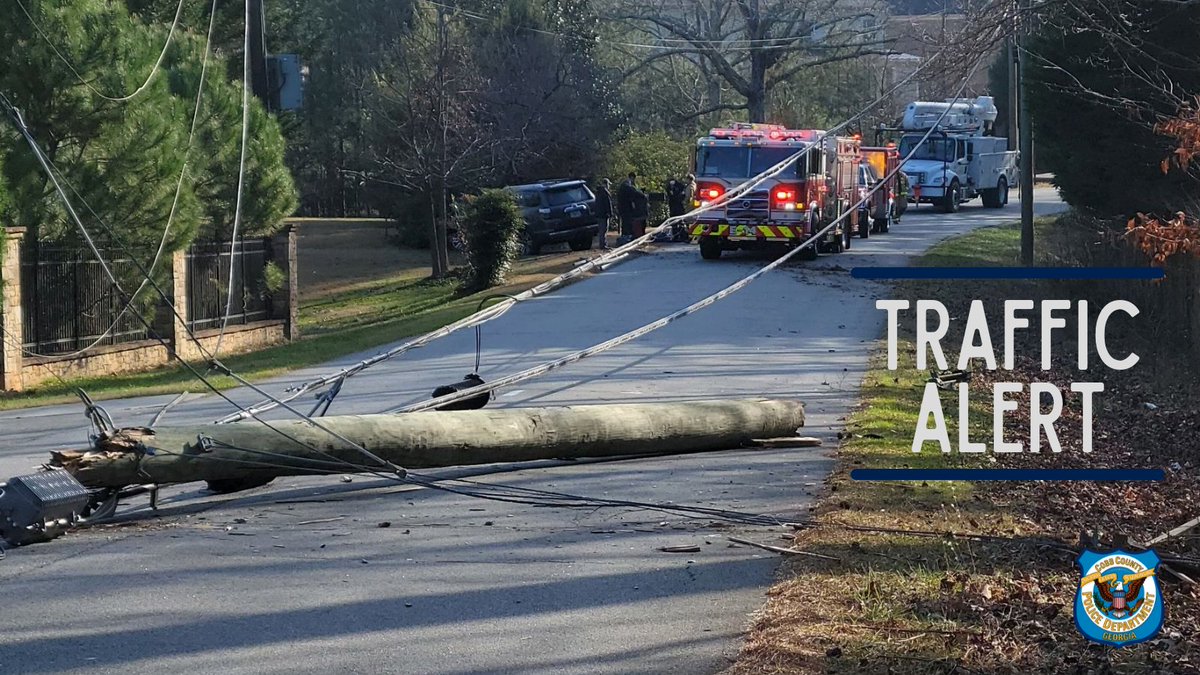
(18, 372)
(11, 329)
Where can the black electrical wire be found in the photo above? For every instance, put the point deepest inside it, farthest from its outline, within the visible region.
(45, 163)
(479, 327)
(481, 490)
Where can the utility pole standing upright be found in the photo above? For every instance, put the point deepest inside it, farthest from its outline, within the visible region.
(440, 244)
(1011, 104)
(1026, 130)
(259, 80)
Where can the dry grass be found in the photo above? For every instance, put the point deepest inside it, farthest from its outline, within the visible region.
(907, 603)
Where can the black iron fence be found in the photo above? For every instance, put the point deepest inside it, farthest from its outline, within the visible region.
(69, 303)
(209, 290)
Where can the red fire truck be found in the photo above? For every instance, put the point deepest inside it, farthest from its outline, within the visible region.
(781, 212)
(883, 207)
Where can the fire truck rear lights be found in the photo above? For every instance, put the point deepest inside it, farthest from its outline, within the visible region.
(712, 193)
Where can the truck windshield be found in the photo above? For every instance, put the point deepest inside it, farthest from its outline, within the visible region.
(722, 161)
(742, 162)
(936, 149)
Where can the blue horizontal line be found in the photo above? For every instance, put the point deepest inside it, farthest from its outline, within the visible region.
(1010, 273)
(1121, 475)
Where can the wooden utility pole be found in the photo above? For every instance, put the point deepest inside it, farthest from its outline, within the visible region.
(441, 240)
(236, 452)
(259, 80)
(1011, 108)
(1026, 130)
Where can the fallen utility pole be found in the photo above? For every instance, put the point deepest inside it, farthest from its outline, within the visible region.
(423, 440)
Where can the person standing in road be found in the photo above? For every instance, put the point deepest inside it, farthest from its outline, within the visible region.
(675, 198)
(604, 210)
(903, 189)
(628, 199)
(641, 212)
(677, 194)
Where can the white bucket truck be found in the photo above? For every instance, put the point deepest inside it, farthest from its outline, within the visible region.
(960, 160)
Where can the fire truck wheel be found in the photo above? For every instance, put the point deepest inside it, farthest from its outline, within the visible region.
(953, 198)
(710, 248)
(864, 226)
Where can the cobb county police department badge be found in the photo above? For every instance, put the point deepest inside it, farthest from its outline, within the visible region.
(1118, 602)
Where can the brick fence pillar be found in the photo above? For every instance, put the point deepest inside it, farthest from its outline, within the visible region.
(285, 303)
(185, 348)
(10, 310)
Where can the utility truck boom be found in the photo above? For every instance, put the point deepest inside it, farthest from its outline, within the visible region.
(960, 160)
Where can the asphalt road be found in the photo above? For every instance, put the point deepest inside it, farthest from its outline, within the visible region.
(298, 576)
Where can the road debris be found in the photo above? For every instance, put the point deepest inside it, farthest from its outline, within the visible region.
(321, 520)
(784, 551)
(791, 442)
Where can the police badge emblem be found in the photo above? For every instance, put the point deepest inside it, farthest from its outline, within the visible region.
(1118, 601)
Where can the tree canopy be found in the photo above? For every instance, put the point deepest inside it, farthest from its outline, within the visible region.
(1105, 74)
(118, 130)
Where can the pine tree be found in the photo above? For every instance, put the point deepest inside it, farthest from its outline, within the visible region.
(1097, 95)
(123, 158)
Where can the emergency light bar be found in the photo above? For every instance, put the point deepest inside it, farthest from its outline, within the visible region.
(775, 132)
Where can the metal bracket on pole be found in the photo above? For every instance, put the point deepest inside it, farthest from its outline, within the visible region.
(101, 421)
(326, 399)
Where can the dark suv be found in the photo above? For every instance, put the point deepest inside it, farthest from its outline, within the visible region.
(555, 211)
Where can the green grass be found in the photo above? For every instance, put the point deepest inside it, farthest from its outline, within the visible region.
(998, 246)
(359, 318)
(363, 305)
(255, 366)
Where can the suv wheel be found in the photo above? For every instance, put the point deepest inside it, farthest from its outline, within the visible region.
(582, 242)
(528, 246)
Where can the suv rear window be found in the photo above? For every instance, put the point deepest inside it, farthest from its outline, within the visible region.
(562, 197)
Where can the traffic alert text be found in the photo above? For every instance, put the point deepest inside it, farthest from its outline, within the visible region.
(1052, 319)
